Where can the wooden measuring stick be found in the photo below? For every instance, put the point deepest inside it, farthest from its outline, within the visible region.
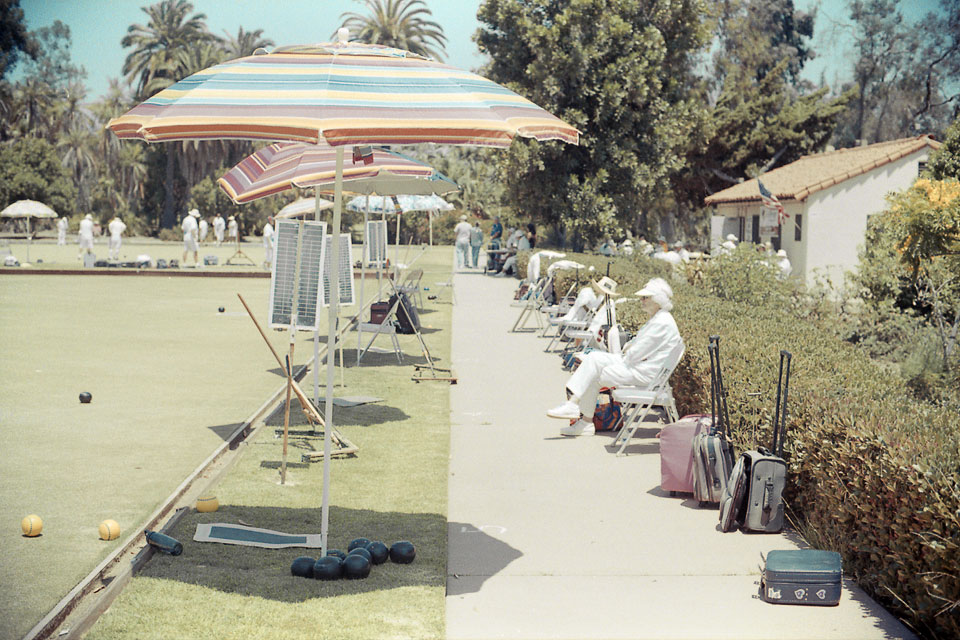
(286, 421)
(308, 407)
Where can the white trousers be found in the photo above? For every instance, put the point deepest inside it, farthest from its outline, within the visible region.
(601, 369)
(463, 253)
(114, 247)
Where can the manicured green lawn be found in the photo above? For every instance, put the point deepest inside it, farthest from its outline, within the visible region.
(170, 377)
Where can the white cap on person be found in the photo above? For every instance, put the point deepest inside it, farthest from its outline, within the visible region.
(659, 291)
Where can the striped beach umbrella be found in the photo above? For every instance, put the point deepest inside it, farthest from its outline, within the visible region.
(349, 94)
(283, 165)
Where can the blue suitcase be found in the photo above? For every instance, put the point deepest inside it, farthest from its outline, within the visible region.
(802, 576)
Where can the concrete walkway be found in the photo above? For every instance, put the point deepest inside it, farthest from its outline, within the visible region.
(553, 537)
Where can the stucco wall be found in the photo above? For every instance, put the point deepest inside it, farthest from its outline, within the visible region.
(837, 216)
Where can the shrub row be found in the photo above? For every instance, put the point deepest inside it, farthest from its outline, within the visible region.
(874, 473)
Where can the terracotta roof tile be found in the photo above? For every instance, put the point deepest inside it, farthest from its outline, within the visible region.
(809, 174)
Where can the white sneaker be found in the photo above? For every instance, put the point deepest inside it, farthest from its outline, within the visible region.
(569, 410)
(579, 428)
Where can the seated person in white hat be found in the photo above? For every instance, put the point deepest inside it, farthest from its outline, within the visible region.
(639, 362)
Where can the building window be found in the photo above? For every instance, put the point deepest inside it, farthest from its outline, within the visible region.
(797, 225)
(755, 229)
(921, 167)
(741, 232)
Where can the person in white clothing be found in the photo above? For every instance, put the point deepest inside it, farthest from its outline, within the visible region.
(218, 226)
(62, 225)
(204, 229)
(268, 243)
(638, 363)
(116, 229)
(232, 228)
(85, 236)
(784, 263)
(189, 227)
(728, 245)
(462, 234)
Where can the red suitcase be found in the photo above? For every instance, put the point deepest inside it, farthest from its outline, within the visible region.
(676, 452)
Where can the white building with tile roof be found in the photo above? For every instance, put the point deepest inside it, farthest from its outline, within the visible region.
(828, 197)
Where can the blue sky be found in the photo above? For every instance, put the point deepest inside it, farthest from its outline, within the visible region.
(98, 26)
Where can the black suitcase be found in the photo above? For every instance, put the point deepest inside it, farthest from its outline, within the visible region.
(713, 452)
(408, 321)
(802, 576)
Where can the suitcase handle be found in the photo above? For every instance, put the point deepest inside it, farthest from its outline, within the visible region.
(780, 412)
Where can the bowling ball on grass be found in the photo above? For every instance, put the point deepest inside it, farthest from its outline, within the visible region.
(359, 551)
(220, 309)
(357, 542)
(85, 397)
(328, 568)
(302, 567)
(337, 553)
(356, 567)
(402, 552)
(379, 552)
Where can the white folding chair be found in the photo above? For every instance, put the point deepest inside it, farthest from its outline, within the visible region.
(637, 402)
(530, 303)
(387, 327)
(410, 285)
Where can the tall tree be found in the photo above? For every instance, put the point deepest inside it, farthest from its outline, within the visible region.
(618, 70)
(155, 63)
(945, 161)
(14, 38)
(403, 24)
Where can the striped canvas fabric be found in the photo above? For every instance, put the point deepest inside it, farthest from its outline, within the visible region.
(283, 165)
(346, 93)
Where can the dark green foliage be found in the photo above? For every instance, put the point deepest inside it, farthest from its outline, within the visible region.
(31, 170)
(617, 70)
(14, 39)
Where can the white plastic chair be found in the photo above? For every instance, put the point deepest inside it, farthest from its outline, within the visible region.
(637, 402)
(387, 327)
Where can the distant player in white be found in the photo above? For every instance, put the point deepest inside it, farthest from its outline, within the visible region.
(62, 225)
(232, 228)
(116, 229)
(268, 242)
(204, 229)
(190, 229)
(218, 226)
(85, 236)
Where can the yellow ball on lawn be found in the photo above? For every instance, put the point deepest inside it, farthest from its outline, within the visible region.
(32, 525)
(207, 504)
(109, 530)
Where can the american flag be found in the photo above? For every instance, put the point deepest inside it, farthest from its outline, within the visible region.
(770, 202)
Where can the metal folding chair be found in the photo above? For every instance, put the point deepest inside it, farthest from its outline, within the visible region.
(638, 402)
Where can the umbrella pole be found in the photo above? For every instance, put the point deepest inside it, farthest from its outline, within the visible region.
(331, 346)
(397, 250)
(430, 222)
(29, 239)
(363, 276)
(386, 247)
(316, 332)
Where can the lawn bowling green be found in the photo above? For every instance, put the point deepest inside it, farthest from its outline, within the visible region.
(170, 377)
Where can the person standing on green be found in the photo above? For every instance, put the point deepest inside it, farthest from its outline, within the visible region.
(476, 241)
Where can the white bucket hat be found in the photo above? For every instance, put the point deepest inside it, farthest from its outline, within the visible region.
(659, 291)
(606, 285)
(195, 213)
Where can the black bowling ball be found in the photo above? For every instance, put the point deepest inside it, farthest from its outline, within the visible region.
(302, 567)
(220, 309)
(337, 553)
(357, 542)
(379, 552)
(360, 551)
(402, 552)
(328, 568)
(85, 397)
(356, 567)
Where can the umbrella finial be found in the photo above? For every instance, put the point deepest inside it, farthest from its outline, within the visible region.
(343, 35)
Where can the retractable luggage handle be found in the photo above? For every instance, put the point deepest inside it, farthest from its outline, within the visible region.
(719, 392)
(780, 414)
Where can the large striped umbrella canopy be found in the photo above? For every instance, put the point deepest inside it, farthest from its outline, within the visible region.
(348, 93)
(283, 165)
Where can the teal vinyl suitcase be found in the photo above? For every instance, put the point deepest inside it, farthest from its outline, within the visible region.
(802, 576)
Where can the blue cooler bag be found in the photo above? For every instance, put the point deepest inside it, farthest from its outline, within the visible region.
(802, 576)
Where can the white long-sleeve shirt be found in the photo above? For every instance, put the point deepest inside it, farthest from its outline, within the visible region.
(648, 350)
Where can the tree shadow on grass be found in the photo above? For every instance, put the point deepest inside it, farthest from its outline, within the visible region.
(265, 573)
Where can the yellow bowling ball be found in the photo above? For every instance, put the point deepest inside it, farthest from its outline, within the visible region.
(31, 526)
(109, 530)
(207, 504)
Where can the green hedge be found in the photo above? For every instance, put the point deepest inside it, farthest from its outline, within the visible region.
(874, 473)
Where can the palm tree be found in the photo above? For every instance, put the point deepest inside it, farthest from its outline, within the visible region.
(76, 146)
(398, 23)
(245, 43)
(155, 63)
(157, 43)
